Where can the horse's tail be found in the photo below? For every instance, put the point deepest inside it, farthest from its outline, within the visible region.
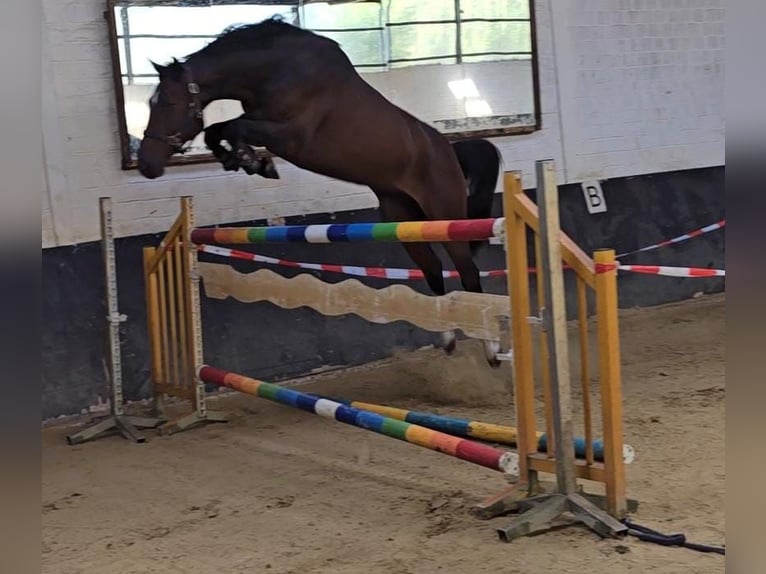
(482, 164)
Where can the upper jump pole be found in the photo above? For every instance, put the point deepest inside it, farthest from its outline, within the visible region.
(401, 232)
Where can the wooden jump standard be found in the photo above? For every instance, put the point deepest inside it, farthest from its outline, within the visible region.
(172, 275)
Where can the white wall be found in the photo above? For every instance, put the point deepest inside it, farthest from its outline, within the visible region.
(640, 84)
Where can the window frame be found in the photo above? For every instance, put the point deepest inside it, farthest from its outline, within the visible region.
(128, 163)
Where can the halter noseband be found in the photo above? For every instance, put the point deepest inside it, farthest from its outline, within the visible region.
(195, 112)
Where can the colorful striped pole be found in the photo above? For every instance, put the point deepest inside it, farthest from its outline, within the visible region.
(474, 429)
(470, 451)
(402, 232)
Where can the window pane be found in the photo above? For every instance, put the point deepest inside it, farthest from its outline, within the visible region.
(361, 47)
(121, 52)
(118, 20)
(160, 50)
(420, 10)
(494, 8)
(422, 40)
(323, 15)
(209, 20)
(478, 37)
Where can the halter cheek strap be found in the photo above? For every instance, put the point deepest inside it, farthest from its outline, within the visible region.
(175, 141)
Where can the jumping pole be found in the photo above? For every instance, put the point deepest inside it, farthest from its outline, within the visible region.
(399, 232)
(478, 430)
(477, 453)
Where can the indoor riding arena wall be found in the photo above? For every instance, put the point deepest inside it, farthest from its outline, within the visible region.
(631, 97)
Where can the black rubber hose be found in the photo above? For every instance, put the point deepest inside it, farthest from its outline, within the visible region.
(647, 534)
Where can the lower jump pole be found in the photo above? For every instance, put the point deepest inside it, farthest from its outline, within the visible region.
(477, 453)
(475, 429)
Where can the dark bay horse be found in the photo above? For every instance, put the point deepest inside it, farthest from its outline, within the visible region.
(304, 102)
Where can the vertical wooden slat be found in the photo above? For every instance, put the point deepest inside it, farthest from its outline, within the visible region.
(582, 319)
(153, 321)
(544, 356)
(610, 380)
(189, 329)
(173, 317)
(518, 287)
(180, 279)
(164, 335)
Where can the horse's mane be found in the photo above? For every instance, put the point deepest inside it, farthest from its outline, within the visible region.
(248, 36)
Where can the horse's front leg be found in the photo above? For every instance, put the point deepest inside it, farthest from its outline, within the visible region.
(241, 136)
(216, 133)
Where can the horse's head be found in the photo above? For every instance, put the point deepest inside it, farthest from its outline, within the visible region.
(175, 118)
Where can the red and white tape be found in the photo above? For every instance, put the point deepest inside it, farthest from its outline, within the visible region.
(352, 270)
(681, 238)
(417, 274)
(673, 271)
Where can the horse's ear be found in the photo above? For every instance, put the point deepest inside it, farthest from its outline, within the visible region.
(158, 67)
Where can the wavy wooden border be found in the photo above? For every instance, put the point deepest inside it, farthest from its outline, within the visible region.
(475, 314)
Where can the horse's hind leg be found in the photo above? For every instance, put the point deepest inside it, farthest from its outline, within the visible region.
(461, 255)
(453, 206)
(395, 206)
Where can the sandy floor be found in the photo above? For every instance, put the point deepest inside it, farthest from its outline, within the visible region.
(283, 491)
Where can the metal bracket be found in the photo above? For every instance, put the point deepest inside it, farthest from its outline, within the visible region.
(498, 235)
(535, 320)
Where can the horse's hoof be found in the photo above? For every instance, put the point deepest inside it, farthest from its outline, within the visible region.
(251, 168)
(491, 350)
(449, 342)
(270, 171)
(494, 363)
(231, 165)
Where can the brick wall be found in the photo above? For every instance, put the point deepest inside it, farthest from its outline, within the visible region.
(640, 84)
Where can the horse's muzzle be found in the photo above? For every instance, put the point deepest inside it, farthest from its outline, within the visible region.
(150, 171)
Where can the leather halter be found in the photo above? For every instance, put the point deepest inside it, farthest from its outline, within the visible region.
(175, 140)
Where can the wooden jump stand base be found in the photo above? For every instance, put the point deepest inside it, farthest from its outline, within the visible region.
(193, 419)
(533, 501)
(542, 512)
(514, 499)
(125, 425)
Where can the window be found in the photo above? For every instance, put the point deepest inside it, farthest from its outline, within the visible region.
(467, 67)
